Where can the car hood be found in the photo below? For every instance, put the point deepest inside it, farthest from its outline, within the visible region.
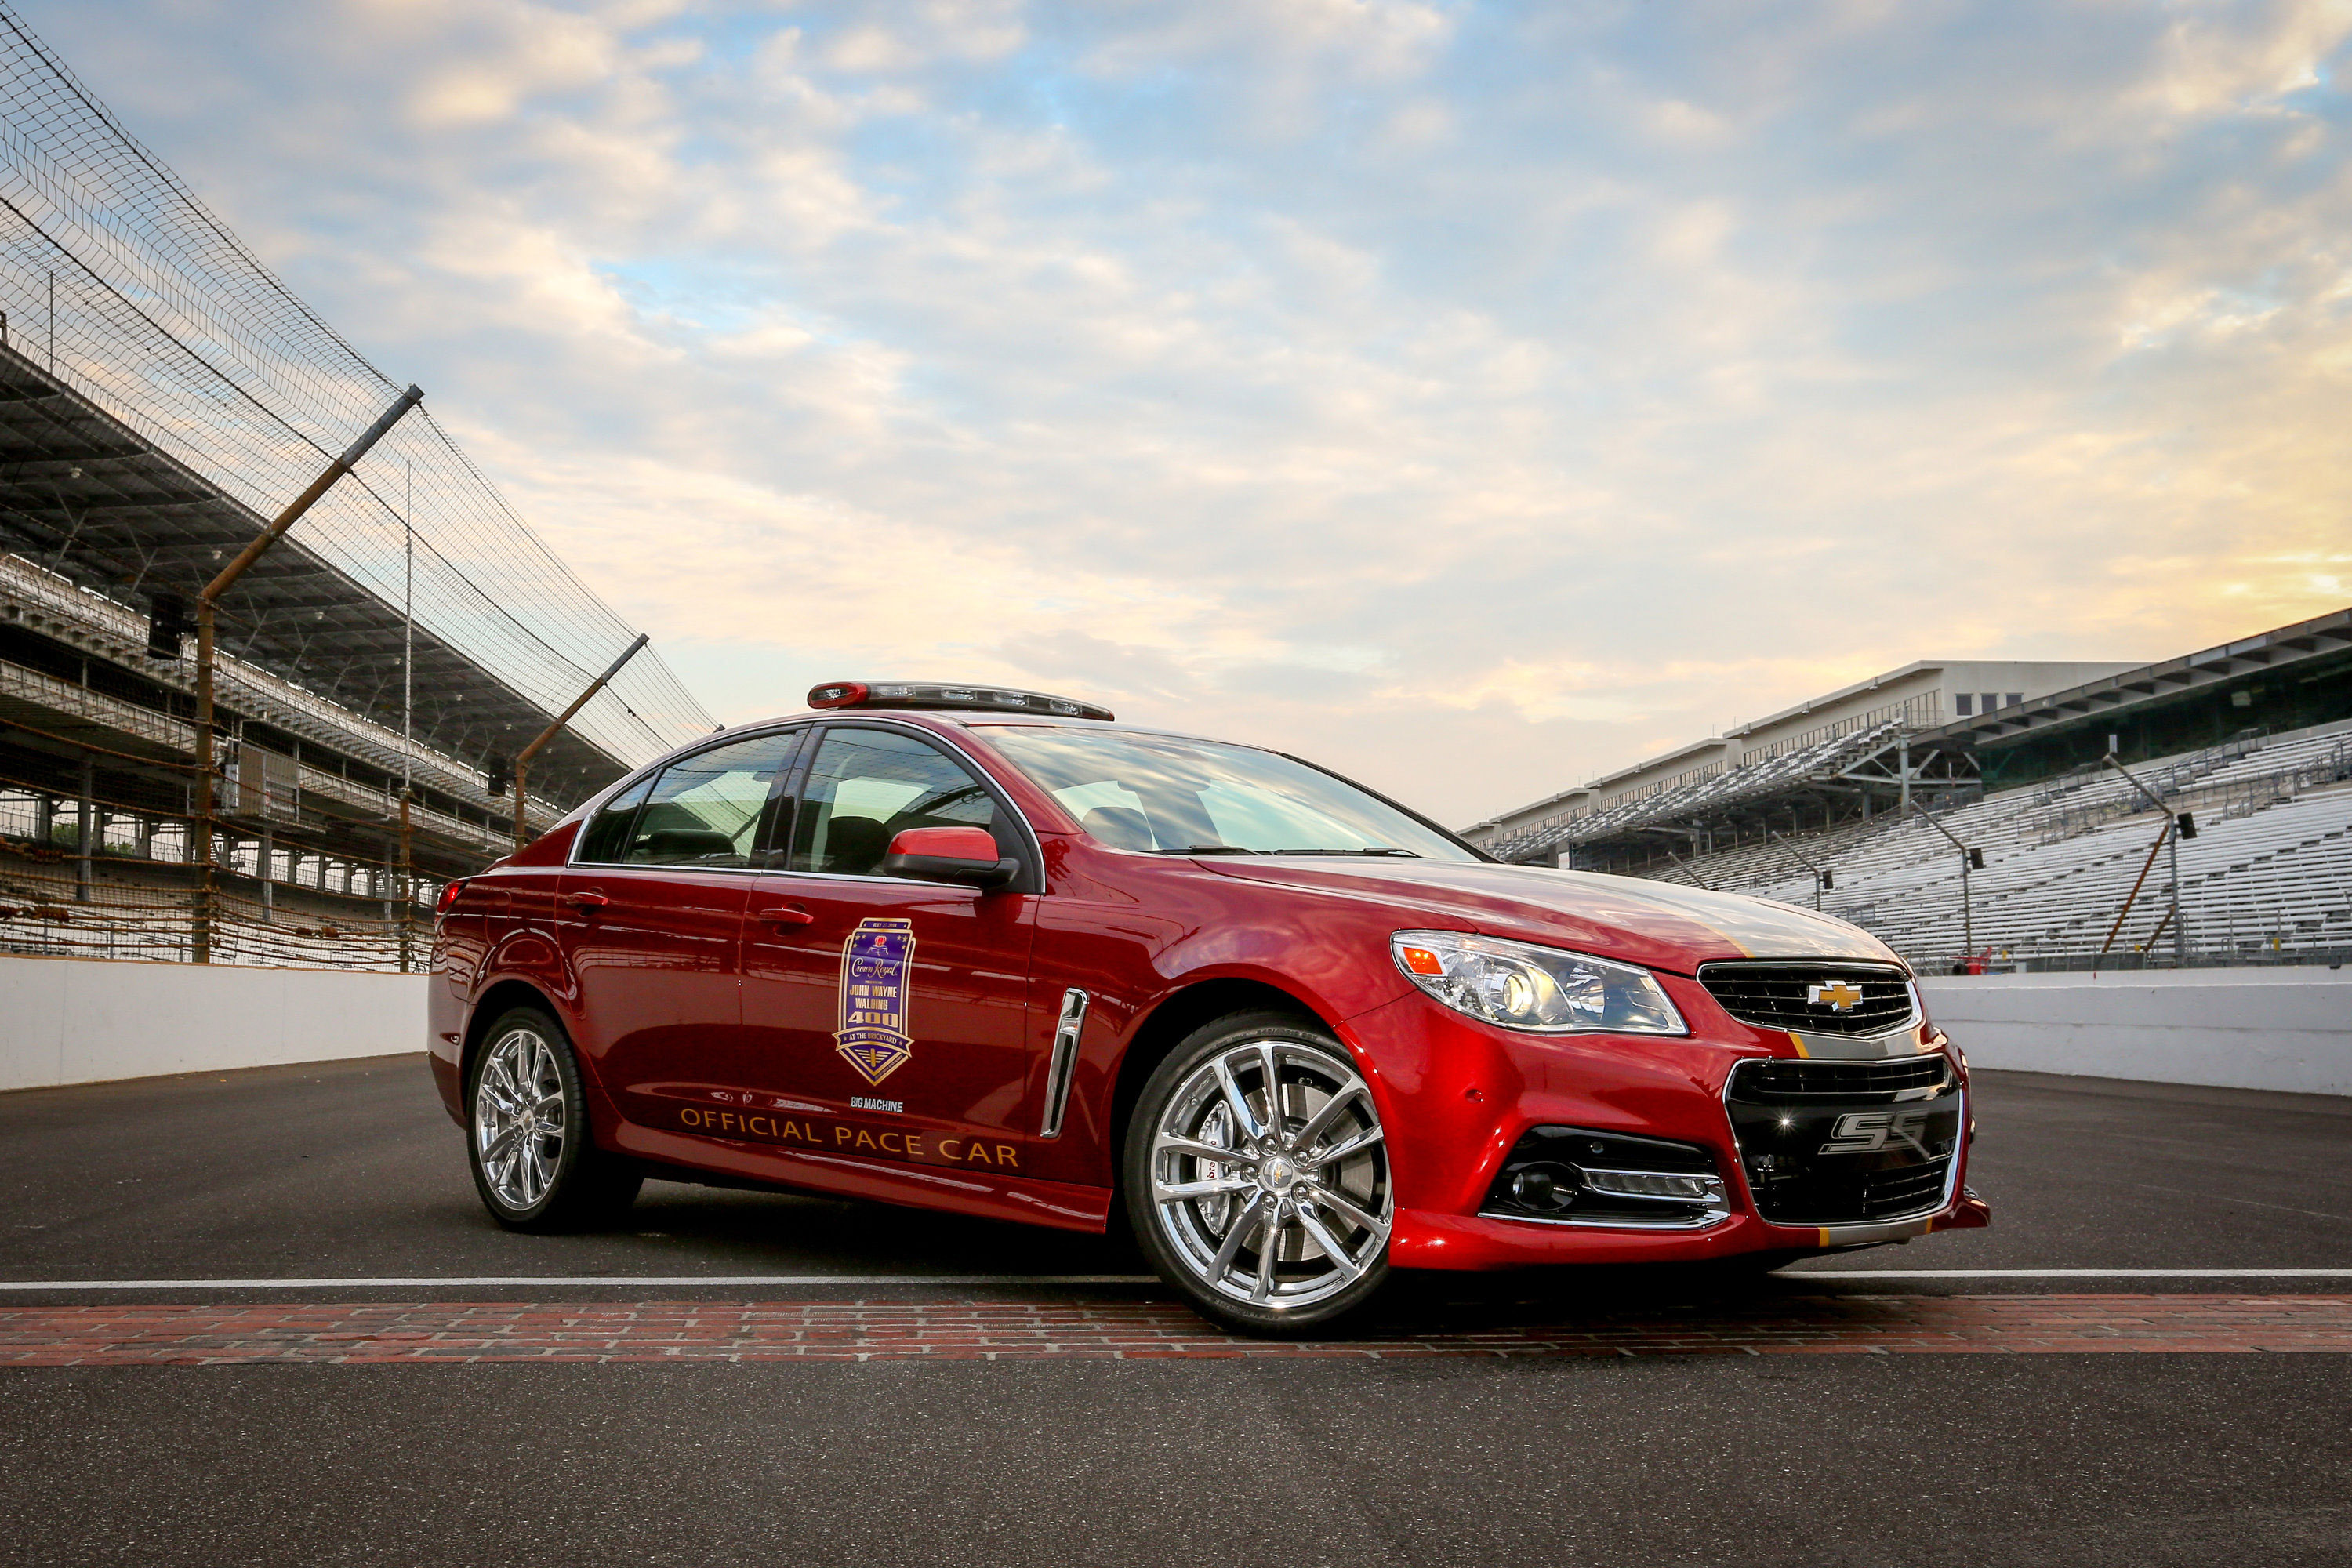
(1659, 925)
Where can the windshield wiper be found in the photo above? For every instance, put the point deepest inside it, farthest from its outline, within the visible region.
(1213, 850)
(1376, 850)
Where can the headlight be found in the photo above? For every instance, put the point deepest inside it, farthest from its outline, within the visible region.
(1541, 989)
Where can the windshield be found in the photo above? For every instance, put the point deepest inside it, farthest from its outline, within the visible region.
(1171, 796)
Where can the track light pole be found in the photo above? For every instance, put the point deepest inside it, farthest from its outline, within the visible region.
(2172, 841)
(1967, 857)
(523, 757)
(1821, 877)
(200, 830)
(1688, 869)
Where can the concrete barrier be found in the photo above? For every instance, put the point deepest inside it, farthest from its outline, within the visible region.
(80, 1020)
(2280, 1028)
(77, 1020)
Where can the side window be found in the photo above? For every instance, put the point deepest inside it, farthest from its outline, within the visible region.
(606, 834)
(866, 785)
(706, 809)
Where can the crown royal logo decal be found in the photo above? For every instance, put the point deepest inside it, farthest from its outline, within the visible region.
(875, 962)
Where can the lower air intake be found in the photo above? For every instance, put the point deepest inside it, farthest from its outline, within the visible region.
(1846, 1142)
(1575, 1175)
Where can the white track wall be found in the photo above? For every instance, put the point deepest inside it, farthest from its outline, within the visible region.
(69, 1020)
(79, 1020)
(2284, 1029)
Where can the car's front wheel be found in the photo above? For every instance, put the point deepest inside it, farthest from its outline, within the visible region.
(527, 1136)
(1257, 1175)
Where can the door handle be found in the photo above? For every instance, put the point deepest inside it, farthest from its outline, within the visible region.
(785, 915)
(586, 903)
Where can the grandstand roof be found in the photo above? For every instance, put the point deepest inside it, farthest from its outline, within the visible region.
(85, 495)
(2099, 702)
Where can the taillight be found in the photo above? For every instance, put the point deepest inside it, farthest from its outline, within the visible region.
(450, 891)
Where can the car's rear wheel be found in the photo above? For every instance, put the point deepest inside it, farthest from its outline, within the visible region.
(1257, 1175)
(528, 1139)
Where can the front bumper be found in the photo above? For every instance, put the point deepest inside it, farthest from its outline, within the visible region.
(1423, 1240)
(1461, 1097)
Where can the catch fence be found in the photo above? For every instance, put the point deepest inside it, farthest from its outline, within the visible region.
(120, 282)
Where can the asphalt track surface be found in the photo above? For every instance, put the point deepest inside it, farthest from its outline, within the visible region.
(350, 1171)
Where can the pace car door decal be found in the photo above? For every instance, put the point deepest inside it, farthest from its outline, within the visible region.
(875, 962)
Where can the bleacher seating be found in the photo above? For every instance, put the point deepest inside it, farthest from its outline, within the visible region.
(1753, 781)
(2268, 873)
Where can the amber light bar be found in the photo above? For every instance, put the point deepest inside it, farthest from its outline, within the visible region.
(921, 694)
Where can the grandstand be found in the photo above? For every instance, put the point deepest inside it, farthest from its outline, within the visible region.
(2252, 739)
(1842, 755)
(162, 396)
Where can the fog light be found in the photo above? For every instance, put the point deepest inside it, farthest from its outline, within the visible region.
(1548, 1187)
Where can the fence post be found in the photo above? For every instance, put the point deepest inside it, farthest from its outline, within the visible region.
(207, 603)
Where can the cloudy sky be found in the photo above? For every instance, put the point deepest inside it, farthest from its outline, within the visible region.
(1473, 396)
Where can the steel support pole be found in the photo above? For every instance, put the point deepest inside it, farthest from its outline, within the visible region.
(523, 757)
(85, 815)
(200, 831)
(1688, 869)
(2133, 896)
(1967, 915)
(2179, 926)
(1804, 861)
(408, 891)
(2172, 839)
(1968, 910)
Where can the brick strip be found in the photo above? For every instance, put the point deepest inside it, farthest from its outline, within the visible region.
(435, 1331)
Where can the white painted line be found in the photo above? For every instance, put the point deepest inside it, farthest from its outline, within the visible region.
(959, 1281)
(481, 1280)
(2064, 1274)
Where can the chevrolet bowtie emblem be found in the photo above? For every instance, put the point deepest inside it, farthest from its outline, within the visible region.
(1837, 996)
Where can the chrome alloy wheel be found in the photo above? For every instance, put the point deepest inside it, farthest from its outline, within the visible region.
(519, 1118)
(1269, 1175)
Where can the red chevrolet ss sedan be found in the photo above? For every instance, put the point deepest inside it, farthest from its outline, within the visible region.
(992, 953)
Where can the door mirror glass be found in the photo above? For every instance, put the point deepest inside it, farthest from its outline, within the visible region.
(966, 855)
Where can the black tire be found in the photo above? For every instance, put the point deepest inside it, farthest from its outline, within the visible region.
(528, 1060)
(1197, 1244)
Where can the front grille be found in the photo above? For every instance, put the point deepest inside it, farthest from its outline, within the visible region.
(1812, 998)
(1902, 1077)
(1826, 1144)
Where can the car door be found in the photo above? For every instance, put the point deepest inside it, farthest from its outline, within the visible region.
(650, 921)
(895, 1010)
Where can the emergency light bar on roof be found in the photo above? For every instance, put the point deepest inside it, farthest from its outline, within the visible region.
(991, 699)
